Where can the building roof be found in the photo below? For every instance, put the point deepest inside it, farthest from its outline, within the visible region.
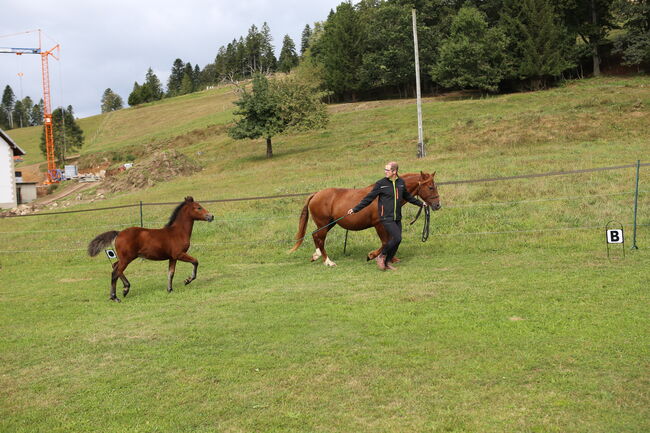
(11, 143)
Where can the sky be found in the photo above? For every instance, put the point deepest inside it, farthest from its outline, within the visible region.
(111, 44)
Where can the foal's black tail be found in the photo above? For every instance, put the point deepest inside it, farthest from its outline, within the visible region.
(96, 245)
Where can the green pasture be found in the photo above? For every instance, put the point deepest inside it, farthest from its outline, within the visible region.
(511, 317)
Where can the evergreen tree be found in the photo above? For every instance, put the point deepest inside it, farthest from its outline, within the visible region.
(175, 78)
(268, 61)
(221, 65)
(20, 115)
(538, 44)
(28, 106)
(340, 50)
(135, 97)
(253, 50)
(187, 86)
(634, 43)
(288, 56)
(68, 136)
(111, 101)
(304, 41)
(7, 107)
(473, 55)
(196, 78)
(242, 59)
(208, 76)
(37, 113)
(152, 88)
(187, 82)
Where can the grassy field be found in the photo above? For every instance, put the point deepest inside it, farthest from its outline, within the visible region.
(510, 317)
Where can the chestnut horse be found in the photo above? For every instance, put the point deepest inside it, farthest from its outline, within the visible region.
(168, 243)
(330, 204)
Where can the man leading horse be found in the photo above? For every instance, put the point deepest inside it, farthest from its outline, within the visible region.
(390, 190)
(329, 207)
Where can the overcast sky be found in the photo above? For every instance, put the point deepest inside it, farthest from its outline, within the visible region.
(112, 43)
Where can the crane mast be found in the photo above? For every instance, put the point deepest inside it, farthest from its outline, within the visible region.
(53, 175)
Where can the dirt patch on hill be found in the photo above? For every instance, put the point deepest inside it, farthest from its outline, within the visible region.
(135, 152)
(161, 166)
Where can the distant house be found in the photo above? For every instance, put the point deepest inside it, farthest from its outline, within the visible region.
(25, 191)
(8, 149)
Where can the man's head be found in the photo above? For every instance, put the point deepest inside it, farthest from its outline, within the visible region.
(390, 169)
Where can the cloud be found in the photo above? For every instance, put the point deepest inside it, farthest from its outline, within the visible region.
(111, 44)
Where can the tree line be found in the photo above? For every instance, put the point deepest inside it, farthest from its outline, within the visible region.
(19, 113)
(366, 49)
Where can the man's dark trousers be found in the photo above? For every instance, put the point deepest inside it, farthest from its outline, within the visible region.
(394, 229)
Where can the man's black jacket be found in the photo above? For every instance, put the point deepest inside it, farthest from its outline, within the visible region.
(390, 194)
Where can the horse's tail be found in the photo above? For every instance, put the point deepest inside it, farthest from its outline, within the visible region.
(96, 245)
(302, 224)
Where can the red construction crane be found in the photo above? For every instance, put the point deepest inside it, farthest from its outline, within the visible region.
(53, 175)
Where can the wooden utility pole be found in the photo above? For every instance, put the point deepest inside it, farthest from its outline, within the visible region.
(421, 150)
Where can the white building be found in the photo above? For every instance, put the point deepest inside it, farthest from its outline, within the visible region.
(8, 149)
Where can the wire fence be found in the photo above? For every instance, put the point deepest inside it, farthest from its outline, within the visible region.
(237, 228)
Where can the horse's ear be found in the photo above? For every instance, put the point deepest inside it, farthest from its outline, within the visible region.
(433, 174)
(189, 198)
(423, 175)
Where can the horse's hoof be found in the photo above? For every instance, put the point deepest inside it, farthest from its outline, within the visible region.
(125, 292)
(170, 290)
(188, 281)
(115, 298)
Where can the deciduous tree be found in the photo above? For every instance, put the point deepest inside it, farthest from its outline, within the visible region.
(473, 55)
(273, 108)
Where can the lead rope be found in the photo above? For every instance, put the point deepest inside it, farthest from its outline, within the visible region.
(427, 219)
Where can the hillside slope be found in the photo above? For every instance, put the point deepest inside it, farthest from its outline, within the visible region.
(513, 316)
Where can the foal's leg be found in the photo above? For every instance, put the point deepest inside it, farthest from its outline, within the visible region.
(170, 274)
(118, 272)
(125, 282)
(187, 258)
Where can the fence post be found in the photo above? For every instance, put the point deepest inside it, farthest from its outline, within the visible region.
(141, 221)
(636, 204)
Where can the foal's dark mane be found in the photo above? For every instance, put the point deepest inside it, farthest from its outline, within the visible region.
(174, 215)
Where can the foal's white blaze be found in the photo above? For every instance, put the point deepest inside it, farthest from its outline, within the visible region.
(316, 254)
(328, 262)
